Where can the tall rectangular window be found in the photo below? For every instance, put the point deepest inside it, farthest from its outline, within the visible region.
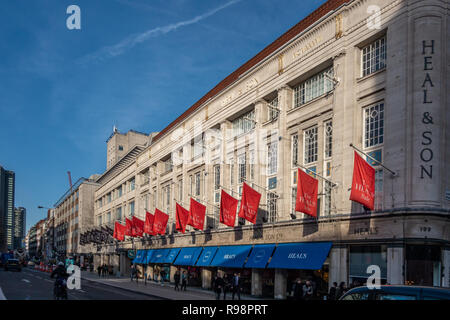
(197, 184)
(273, 109)
(293, 199)
(242, 167)
(374, 57)
(252, 165)
(294, 148)
(271, 207)
(313, 87)
(119, 213)
(374, 125)
(131, 209)
(310, 145)
(132, 184)
(328, 139)
(232, 172)
(272, 158)
(180, 190)
(217, 183)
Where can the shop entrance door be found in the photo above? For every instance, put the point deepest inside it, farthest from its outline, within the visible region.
(423, 265)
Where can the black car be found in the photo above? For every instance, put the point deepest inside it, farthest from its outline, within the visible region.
(12, 264)
(399, 292)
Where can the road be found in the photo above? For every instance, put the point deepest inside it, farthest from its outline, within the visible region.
(34, 285)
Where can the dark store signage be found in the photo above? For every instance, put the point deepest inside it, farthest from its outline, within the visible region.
(365, 231)
(426, 149)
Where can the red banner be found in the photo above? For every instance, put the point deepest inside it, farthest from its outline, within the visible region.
(228, 207)
(182, 218)
(160, 222)
(249, 203)
(138, 227)
(119, 231)
(148, 225)
(129, 227)
(307, 188)
(363, 184)
(197, 213)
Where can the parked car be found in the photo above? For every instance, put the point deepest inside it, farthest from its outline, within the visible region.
(12, 264)
(399, 292)
(31, 263)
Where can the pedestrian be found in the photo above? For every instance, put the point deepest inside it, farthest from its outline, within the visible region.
(341, 290)
(176, 277)
(297, 289)
(99, 270)
(308, 291)
(105, 270)
(236, 286)
(183, 280)
(218, 285)
(132, 272)
(162, 275)
(226, 285)
(333, 292)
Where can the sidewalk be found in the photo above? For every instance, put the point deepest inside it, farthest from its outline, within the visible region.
(155, 289)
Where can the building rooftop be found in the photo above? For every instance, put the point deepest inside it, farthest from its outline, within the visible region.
(296, 30)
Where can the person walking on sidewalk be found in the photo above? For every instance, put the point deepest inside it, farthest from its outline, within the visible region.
(333, 292)
(99, 270)
(132, 272)
(162, 275)
(226, 285)
(183, 280)
(236, 286)
(308, 291)
(218, 285)
(176, 277)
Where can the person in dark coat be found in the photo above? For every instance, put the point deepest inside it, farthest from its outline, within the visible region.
(341, 290)
(226, 285)
(236, 285)
(99, 270)
(333, 292)
(176, 277)
(184, 279)
(297, 289)
(218, 286)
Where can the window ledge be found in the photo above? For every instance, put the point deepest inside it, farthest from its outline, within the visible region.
(326, 94)
(371, 75)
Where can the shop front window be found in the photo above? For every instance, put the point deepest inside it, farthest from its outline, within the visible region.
(423, 265)
(361, 257)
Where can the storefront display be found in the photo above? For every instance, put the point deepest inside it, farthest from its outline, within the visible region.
(423, 265)
(363, 256)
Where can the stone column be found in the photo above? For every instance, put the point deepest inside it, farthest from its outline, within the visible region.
(284, 160)
(206, 278)
(338, 265)
(257, 282)
(395, 264)
(280, 284)
(446, 267)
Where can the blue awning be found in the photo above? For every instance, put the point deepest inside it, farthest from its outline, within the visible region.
(188, 256)
(139, 256)
(231, 256)
(158, 255)
(308, 256)
(161, 255)
(171, 255)
(260, 255)
(206, 256)
(147, 256)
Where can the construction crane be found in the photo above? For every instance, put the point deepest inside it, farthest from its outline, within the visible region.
(70, 180)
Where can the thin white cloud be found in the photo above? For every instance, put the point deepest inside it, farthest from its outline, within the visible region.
(133, 40)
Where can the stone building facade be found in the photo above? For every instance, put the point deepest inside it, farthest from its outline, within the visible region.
(369, 73)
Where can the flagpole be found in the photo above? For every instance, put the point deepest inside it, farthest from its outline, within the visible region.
(332, 183)
(205, 201)
(232, 191)
(373, 159)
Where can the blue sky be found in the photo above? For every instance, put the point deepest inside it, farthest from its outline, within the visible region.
(136, 64)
